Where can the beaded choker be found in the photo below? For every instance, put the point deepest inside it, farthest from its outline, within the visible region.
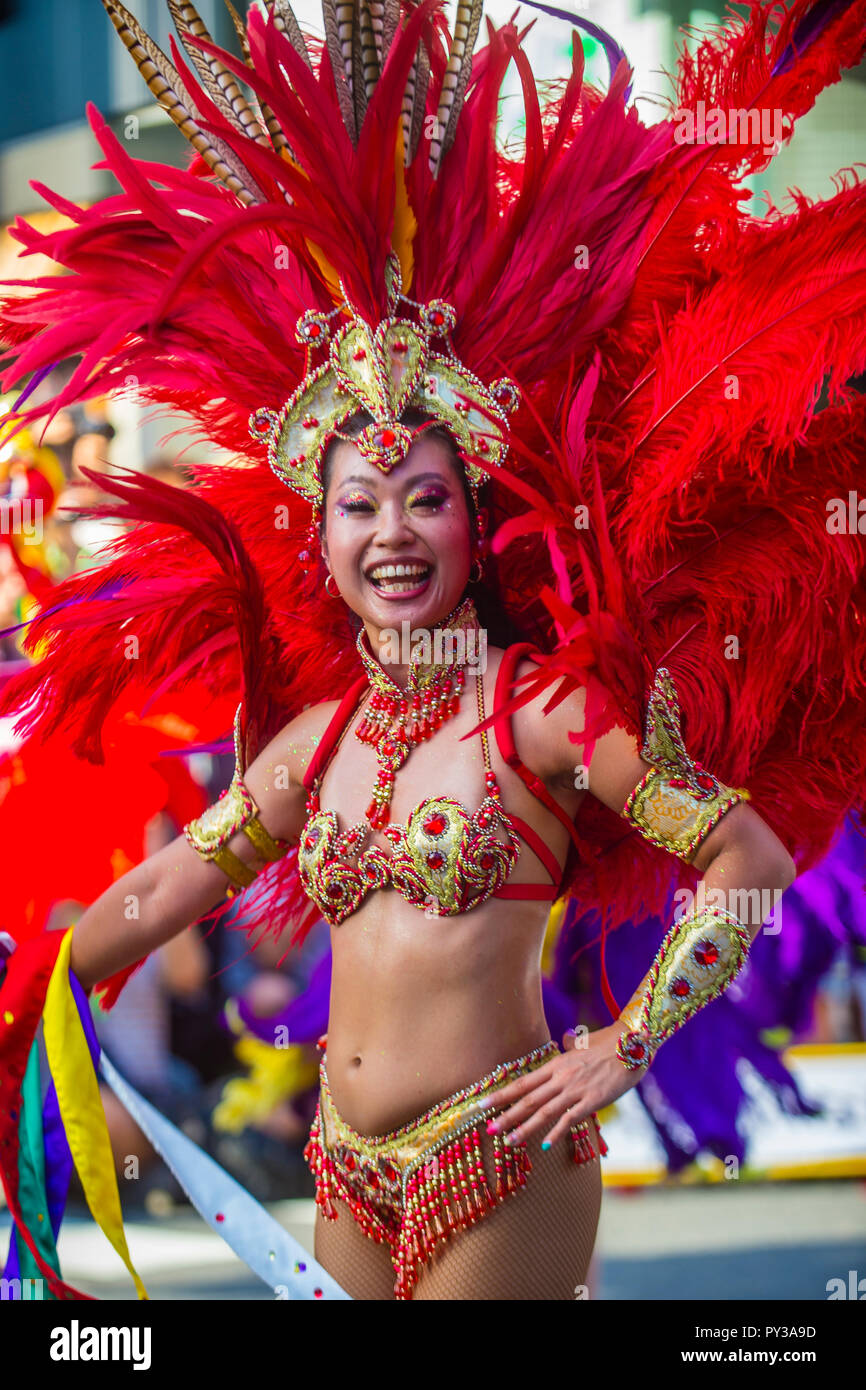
(396, 720)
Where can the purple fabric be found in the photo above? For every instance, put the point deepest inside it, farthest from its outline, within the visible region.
(306, 1017)
(692, 1093)
(58, 1171)
(83, 1006)
(12, 1269)
(58, 1159)
(13, 1266)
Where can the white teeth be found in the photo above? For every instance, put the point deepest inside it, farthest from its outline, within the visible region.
(390, 572)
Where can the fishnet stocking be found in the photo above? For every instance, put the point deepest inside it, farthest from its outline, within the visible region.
(358, 1264)
(536, 1245)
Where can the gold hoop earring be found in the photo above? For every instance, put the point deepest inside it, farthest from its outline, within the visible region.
(476, 578)
(327, 590)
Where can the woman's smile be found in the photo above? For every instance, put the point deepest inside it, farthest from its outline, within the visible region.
(398, 544)
(400, 579)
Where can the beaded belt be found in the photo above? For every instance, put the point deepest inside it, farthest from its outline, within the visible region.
(413, 1187)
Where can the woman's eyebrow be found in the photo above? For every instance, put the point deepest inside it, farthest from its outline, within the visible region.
(373, 482)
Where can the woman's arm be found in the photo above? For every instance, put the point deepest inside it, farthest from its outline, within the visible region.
(745, 869)
(174, 887)
(754, 856)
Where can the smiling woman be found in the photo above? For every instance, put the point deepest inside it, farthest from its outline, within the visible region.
(431, 485)
(399, 543)
(335, 290)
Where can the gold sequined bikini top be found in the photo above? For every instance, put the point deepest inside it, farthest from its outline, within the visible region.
(443, 859)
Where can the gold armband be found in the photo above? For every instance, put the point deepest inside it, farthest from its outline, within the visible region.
(695, 963)
(235, 810)
(678, 802)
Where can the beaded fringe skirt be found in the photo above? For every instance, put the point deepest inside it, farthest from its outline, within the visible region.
(414, 1188)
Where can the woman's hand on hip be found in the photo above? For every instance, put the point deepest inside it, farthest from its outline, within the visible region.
(584, 1078)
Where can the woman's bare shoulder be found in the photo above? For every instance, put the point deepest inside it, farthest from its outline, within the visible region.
(541, 735)
(298, 739)
(304, 733)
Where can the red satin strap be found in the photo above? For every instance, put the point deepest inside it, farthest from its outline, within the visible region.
(535, 842)
(340, 718)
(545, 892)
(505, 737)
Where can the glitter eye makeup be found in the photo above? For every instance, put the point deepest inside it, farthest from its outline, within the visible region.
(427, 497)
(355, 502)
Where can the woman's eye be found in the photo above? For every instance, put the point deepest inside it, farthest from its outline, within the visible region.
(427, 499)
(355, 504)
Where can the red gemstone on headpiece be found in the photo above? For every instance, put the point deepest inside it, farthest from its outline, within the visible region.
(386, 438)
(437, 316)
(705, 780)
(310, 422)
(313, 330)
(435, 824)
(487, 861)
(435, 860)
(680, 987)
(706, 952)
(359, 354)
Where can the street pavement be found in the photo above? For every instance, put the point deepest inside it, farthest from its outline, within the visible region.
(715, 1241)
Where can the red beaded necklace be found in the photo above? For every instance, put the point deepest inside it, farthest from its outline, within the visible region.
(395, 721)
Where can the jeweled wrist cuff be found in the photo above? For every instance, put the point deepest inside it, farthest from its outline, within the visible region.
(235, 810)
(678, 802)
(695, 963)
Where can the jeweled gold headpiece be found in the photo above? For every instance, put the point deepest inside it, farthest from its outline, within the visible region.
(385, 371)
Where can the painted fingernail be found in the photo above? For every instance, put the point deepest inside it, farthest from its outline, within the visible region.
(492, 1126)
(510, 1138)
(545, 1144)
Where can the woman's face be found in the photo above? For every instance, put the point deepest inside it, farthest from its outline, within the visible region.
(414, 517)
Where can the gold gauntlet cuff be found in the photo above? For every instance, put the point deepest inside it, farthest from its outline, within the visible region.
(235, 810)
(678, 802)
(695, 963)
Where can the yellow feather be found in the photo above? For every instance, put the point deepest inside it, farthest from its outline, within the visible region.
(326, 270)
(405, 223)
(402, 237)
(275, 1075)
(551, 935)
